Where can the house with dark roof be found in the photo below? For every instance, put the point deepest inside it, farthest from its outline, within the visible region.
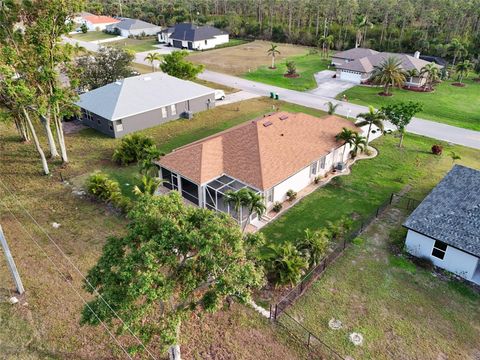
(356, 65)
(269, 155)
(133, 27)
(445, 227)
(143, 101)
(193, 37)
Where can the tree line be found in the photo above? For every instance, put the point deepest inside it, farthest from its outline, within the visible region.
(393, 25)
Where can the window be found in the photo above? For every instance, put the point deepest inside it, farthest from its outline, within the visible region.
(173, 109)
(270, 195)
(119, 125)
(313, 168)
(205, 42)
(322, 163)
(88, 115)
(110, 126)
(439, 249)
(98, 121)
(164, 112)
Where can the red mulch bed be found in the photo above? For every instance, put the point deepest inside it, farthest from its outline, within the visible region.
(381, 93)
(458, 84)
(477, 80)
(272, 68)
(417, 89)
(291, 76)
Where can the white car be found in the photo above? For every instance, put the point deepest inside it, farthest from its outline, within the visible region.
(219, 95)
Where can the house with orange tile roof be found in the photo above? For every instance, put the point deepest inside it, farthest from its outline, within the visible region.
(269, 155)
(96, 22)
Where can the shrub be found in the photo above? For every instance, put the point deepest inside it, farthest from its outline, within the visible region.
(314, 245)
(277, 207)
(291, 68)
(84, 28)
(437, 149)
(284, 263)
(317, 179)
(291, 195)
(103, 188)
(133, 149)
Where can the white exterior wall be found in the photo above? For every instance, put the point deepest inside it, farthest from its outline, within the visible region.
(296, 183)
(455, 261)
(97, 27)
(211, 43)
(139, 32)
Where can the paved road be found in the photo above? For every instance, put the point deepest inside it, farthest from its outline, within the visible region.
(418, 126)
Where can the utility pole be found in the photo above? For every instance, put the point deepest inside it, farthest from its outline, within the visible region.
(11, 263)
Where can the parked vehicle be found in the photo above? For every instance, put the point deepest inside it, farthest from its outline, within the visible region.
(219, 95)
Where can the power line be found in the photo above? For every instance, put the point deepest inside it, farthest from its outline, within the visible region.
(66, 280)
(76, 268)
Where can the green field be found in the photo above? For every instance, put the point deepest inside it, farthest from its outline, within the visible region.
(448, 104)
(370, 183)
(135, 44)
(92, 36)
(231, 42)
(307, 66)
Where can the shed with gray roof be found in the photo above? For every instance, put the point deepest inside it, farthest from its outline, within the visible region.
(445, 227)
(143, 101)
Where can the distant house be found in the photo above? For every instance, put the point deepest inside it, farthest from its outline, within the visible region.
(193, 37)
(133, 27)
(445, 227)
(269, 155)
(96, 22)
(143, 101)
(356, 65)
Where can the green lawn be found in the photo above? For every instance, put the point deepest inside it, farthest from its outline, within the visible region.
(402, 310)
(135, 44)
(92, 36)
(448, 104)
(370, 183)
(307, 66)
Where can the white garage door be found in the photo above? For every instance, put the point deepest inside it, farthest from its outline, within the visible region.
(351, 77)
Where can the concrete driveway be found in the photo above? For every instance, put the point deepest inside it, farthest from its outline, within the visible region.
(236, 97)
(328, 86)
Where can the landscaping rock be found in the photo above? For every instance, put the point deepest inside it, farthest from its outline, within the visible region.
(55, 225)
(356, 339)
(13, 300)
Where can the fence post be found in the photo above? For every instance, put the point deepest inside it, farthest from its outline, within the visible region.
(378, 209)
(308, 343)
(391, 197)
(276, 307)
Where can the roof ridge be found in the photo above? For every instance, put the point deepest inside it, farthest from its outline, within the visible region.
(260, 161)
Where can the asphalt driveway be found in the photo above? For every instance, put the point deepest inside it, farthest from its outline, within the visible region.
(329, 87)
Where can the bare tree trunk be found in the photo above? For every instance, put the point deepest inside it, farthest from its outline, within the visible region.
(37, 143)
(51, 142)
(60, 136)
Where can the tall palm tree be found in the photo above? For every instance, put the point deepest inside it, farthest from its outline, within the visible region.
(331, 107)
(372, 117)
(389, 73)
(246, 198)
(347, 137)
(457, 49)
(361, 24)
(431, 73)
(152, 57)
(273, 52)
(462, 69)
(358, 143)
(326, 42)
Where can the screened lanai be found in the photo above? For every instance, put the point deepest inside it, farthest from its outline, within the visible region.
(215, 196)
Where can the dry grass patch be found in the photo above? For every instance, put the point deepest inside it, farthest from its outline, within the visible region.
(243, 58)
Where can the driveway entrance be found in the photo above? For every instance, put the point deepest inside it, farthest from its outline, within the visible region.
(328, 86)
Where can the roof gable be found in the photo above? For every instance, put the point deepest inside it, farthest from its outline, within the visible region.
(190, 32)
(134, 24)
(451, 212)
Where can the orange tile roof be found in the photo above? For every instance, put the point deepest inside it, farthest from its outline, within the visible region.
(261, 156)
(100, 19)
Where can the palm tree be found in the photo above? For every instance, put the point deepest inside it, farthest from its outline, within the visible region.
(361, 24)
(457, 49)
(152, 57)
(347, 137)
(273, 52)
(246, 198)
(331, 107)
(326, 41)
(411, 74)
(462, 69)
(358, 143)
(284, 262)
(370, 118)
(389, 73)
(148, 185)
(431, 73)
(455, 156)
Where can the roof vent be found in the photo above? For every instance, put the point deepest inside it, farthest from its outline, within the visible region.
(284, 117)
(268, 123)
(147, 78)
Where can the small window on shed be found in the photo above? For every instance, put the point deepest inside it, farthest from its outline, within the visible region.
(119, 125)
(439, 249)
(164, 112)
(173, 109)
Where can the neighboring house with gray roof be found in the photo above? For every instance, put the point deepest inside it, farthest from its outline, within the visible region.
(193, 37)
(143, 101)
(445, 227)
(358, 69)
(133, 27)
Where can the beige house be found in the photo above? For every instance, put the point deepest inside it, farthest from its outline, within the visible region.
(269, 155)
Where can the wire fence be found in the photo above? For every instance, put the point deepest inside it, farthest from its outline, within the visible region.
(316, 347)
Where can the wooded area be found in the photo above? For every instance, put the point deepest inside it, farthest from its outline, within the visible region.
(385, 25)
